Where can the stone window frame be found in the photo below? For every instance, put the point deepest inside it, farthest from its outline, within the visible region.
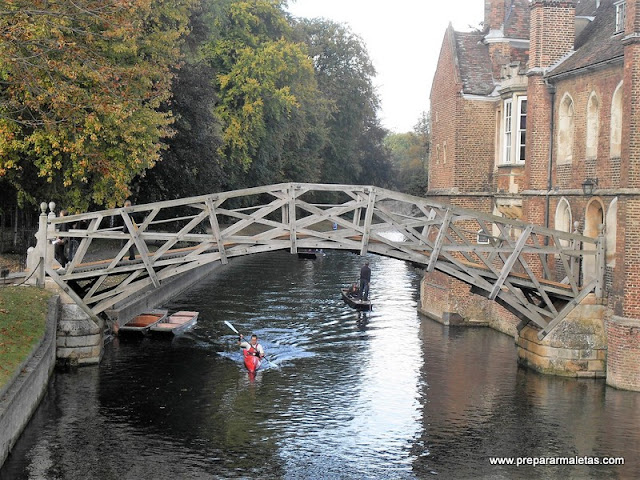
(593, 126)
(566, 129)
(594, 215)
(563, 219)
(621, 13)
(611, 232)
(482, 237)
(615, 138)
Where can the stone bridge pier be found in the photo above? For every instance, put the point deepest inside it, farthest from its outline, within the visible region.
(576, 347)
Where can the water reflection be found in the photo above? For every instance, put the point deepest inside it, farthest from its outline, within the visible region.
(346, 394)
(480, 406)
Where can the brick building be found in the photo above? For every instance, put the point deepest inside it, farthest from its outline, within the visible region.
(529, 114)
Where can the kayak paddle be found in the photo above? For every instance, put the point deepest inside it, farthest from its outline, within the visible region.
(231, 327)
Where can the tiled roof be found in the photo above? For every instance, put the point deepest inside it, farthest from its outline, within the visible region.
(596, 44)
(474, 62)
(586, 8)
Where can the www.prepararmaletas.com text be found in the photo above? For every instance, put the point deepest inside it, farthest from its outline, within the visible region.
(575, 460)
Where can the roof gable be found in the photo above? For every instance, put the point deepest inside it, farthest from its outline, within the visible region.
(474, 63)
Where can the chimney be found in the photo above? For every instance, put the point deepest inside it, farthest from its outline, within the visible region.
(552, 31)
(494, 11)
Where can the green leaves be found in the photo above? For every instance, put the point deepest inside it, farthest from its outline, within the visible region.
(264, 80)
(80, 93)
(344, 72)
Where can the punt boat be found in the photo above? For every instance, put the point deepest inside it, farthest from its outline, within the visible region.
(354, 301)
(140, 324)
(176, 323)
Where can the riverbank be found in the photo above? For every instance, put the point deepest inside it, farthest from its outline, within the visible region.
(28, 344)
(23, 312)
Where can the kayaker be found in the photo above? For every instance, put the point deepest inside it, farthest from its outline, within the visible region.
(365, 278)
(253, 347)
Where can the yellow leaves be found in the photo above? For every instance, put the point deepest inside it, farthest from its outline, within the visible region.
(260, 72)
(87, 85)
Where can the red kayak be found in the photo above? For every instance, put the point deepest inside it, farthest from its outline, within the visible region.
(251, 361)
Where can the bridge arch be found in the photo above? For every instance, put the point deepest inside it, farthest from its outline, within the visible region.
(180, 235)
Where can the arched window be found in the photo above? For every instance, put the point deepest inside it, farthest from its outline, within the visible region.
(593, 125)
(611, 229)
(594, 216)
(566, 129)
(563, 218)
(616, 123)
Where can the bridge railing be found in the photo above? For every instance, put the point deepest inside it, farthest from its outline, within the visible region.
(526, 267)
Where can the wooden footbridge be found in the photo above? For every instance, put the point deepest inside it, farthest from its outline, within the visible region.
(532, 271)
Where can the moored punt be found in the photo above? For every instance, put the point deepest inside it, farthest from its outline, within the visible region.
(140, 324)
(354, 301)
(176, 323)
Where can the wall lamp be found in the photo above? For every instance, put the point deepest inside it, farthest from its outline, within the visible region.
(589, 185)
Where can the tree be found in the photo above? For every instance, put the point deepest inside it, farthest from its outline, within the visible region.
(410, 154)
(375, 157)
(269, 106)
(190, 164)
(345, 77)
(81, 86)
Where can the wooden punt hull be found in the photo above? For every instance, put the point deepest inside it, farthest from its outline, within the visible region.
(355, 302)
(176, 323)
(141, 324)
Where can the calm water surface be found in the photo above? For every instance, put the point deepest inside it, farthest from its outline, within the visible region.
(345, 395)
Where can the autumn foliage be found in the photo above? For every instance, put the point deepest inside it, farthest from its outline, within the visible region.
(81, 83)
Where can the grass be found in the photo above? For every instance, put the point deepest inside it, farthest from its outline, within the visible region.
(23, 312)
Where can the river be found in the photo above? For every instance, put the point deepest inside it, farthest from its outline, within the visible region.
(345, 395)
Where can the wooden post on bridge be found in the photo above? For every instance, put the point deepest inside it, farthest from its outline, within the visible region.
(292, 218)
(367, 221)
(41, 245)
(574, 262)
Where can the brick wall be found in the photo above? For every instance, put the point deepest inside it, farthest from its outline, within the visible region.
(468, 129)
(552, 31)
(623, 356)
(623, 327)
(474, 154)
(460, 159)
(630, 164)
(518, 24)
(538, 133)
(603, 84)
(445, 91)
(494, 13)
